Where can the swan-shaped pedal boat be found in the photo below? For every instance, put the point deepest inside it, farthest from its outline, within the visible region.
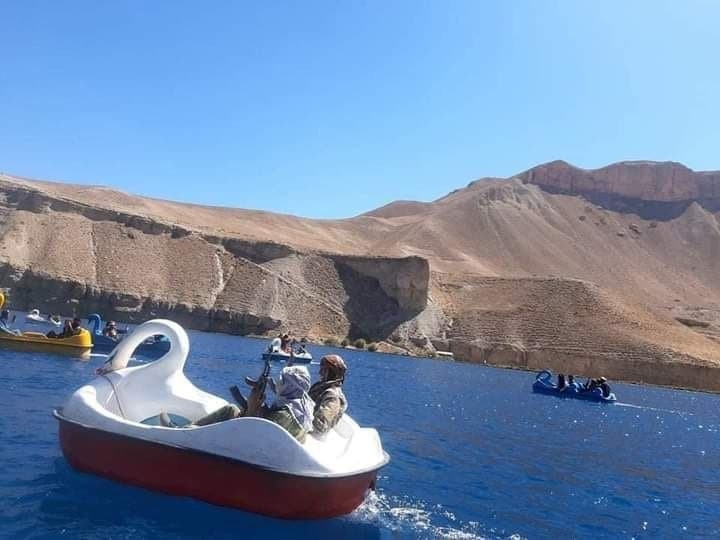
(35, 318)
(275, 354)
(543, 384)
(247, 463)
(153, 347)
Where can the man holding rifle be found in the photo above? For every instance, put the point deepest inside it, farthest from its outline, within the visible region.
(297, 407)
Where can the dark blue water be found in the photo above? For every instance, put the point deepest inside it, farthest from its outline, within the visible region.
(474, 454)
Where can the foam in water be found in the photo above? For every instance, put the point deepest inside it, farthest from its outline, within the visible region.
(402, 515)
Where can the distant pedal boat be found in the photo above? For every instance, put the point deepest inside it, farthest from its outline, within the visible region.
(108, 427)
(34, 318)
(79, 343)
(281, 356)
(543, 385)
(275, 354)
(151, 347)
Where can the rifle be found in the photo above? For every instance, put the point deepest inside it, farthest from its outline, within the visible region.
(262, 380)
(258, 385)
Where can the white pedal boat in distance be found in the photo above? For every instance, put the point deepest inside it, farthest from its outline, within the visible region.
(248, 463)
(275, 353)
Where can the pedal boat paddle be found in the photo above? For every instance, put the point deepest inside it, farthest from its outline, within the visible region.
(247, 463)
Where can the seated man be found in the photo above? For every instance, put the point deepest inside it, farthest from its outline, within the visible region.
(110, 330)
(5, 323)
(4, 318)
(75, 328)
(66, 332)
(292, 408)
(285, 343)
(330, 401)
(604, 386)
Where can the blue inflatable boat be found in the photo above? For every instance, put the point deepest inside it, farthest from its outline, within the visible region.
(153, 347)
(544, 385)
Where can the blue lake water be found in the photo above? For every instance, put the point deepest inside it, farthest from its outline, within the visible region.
(474, 454)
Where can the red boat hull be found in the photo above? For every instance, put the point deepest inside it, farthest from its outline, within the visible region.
(215, 479)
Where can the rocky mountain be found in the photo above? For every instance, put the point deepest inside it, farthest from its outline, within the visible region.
(612, 270)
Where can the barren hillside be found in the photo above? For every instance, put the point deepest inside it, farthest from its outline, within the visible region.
(558, 266)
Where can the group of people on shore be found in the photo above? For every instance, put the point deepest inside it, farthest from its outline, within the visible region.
(564, 384)
(298, 407)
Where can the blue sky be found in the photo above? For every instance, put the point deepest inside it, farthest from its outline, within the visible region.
(330, 109)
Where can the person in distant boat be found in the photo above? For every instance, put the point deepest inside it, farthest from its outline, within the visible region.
(291, 409)
(592, 384)
(561, 384)
(275, 345)
(285, 343)
(66, 331)
(5, 323)
(71, 328)
(110, 330)
(604, 386)
(571, 382)
(330, 401)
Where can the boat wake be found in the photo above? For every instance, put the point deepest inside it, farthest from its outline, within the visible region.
(403, 516)
(644, 408)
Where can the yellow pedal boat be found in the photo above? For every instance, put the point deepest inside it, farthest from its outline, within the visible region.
(83, 340)
(80, 343)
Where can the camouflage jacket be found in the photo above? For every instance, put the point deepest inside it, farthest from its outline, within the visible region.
(330, 405)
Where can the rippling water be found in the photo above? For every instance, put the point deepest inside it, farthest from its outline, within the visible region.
(474, 454)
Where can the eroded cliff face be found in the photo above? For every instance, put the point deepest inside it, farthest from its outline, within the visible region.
(650, 189)
(645, 180)
(64, 256)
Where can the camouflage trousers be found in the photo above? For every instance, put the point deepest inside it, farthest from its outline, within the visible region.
(227, 412)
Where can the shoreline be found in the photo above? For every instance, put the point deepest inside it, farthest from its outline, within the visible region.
(555, 370)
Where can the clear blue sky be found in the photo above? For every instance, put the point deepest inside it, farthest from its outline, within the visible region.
(329, 109)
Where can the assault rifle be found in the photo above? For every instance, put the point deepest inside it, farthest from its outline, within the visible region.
(258, 385)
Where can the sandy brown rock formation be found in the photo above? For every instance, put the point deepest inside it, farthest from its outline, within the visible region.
(582, 270)
(642, 180)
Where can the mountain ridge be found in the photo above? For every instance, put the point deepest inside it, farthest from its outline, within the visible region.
(403, 272)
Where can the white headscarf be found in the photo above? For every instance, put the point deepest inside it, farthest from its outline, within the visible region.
(292, 392)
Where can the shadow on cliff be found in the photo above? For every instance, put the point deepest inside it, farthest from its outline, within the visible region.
(648, 210)
(372, 313)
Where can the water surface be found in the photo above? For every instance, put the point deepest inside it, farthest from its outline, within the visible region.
(473, 454)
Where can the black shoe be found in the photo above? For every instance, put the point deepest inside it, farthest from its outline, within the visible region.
(237, 396)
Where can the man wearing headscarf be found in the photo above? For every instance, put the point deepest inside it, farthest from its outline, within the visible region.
(292, 408)
(330, 401)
